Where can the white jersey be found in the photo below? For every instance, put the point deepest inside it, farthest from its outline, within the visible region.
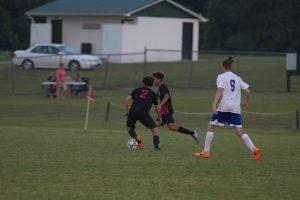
(231, 97)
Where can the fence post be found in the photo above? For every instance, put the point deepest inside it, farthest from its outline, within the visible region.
(238, 62)
(288, 81)
(12, 78)
(107, 112)
(136, 79)
(190, 74)
(297, 120)
(145, 61)
(60, 59)
(106, 71)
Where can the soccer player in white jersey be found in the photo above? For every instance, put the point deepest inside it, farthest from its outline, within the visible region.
(229, 87)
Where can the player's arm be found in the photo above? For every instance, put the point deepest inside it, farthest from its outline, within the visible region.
(165, 99)
(157, 110)
(247, 98)
(245, 88)
(126, 104)
(216, 100)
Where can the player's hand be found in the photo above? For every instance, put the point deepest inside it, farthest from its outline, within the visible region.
(126, 114)
(158, 121)
(159, 106)
(214, 109)
(245, 104)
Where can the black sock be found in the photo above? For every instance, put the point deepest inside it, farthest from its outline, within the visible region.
(156, 141)
(132, 133)
(185, 131)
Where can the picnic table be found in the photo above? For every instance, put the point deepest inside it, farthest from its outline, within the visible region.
(68, 83)
(72, 85)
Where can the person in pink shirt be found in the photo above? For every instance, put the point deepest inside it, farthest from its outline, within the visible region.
(61, 86)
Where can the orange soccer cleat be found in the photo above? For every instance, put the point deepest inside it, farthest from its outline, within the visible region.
(256, 153)
(202, 155)
(138, 138)
(140, 143)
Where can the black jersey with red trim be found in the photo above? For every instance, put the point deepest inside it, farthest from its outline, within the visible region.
(167, 108)
(143, 98)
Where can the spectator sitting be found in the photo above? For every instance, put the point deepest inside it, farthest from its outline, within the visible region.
(51, 89)
(77, 89)
(85, 88)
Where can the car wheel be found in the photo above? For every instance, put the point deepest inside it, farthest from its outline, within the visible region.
(27, 65)
(74, 66)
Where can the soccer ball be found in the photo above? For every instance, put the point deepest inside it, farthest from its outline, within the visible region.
(132, 144)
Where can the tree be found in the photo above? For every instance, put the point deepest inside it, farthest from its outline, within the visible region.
(5, 29)
(256, 25)
(14, 25)
(196, 5)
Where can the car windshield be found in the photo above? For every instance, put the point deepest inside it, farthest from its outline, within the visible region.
(68, 50)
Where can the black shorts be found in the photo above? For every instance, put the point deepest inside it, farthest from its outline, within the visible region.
(144, 117)
(167, 119)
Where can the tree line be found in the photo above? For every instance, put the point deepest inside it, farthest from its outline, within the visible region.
(256, 25)
(14, 25)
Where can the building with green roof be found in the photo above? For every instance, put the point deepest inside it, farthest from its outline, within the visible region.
(119, 27)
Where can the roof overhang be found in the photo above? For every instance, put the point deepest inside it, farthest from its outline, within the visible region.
(76, 14)
(197, 16)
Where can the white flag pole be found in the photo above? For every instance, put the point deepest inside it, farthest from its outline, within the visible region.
(87, 111)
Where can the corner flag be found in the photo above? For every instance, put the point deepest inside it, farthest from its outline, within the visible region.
(90, 97)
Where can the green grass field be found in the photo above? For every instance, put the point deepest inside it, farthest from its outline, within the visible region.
(46, 154)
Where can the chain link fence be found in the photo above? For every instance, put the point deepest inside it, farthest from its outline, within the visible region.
(265, 72)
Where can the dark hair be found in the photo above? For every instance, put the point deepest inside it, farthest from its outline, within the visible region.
(228, 63)
(148, 81)
(159, 75)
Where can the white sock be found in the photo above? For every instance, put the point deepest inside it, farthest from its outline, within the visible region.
(248, 141)
(208, 140)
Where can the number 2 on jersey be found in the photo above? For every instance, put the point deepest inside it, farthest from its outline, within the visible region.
(144, 94)
(232, 84)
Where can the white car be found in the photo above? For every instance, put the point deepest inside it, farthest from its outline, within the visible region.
(49, 56)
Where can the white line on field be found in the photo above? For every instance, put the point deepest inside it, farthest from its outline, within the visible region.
(65, 129)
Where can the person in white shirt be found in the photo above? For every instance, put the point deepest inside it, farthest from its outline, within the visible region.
(229, 87)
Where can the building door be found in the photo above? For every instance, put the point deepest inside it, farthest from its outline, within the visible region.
(187, 41)
(57, 31)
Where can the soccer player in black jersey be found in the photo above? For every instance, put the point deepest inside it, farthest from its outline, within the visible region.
(166, 106)
(143, 98)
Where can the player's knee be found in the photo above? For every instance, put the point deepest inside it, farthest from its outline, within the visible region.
(210, 127)
(155, 131)
(172, 127)
(239, 131)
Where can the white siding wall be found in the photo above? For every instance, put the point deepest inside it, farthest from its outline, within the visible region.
(114, 37)
(40, 33)
(112, 41)
(156, 33)
(74, 34)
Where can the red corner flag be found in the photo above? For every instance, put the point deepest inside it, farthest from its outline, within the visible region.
(91, 95)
